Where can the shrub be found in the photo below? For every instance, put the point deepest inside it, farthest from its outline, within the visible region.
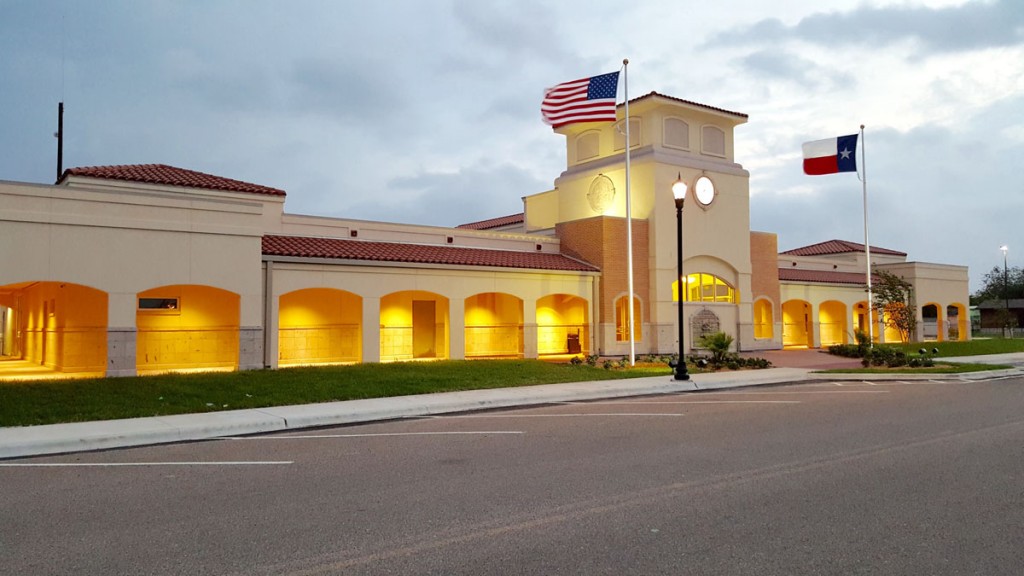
(718, 344)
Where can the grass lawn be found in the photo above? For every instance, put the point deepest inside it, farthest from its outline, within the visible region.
(54, 401)
(939, 368)
(977, 347)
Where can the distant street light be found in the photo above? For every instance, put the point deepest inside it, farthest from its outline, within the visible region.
(1006, 287)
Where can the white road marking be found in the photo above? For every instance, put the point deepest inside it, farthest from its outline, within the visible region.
(702, 402)
(555, 415)
(120, 464)
(315, 436)
(806, 392)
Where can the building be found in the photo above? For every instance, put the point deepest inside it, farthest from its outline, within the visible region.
(123, 270)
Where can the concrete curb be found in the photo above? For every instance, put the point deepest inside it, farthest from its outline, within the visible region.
(24, 441)
(107, 434)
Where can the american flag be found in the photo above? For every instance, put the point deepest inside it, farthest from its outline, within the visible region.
(584, 100)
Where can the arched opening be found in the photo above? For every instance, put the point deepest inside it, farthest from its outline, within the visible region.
(796, 324)
(186, 327)
(494, 325)
(413, 325)
(562, 325)
(49, 328)
(861, 321)
(956, 322)
(320, 326)
(622, 320)
(832, 323)
(764, 321)
(930, 321)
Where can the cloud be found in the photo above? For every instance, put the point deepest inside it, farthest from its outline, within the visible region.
(969, 26)
(775, 64)
(477, 192)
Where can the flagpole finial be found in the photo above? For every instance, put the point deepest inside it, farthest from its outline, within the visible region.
(625, 61)
(861, 126)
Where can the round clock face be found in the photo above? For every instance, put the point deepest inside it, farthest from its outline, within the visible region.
(704, 190)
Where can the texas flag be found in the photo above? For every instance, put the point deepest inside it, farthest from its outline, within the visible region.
(831, 155)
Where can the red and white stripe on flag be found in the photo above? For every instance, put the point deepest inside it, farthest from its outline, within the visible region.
(584, 100)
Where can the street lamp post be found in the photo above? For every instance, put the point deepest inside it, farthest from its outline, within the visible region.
(1006, 287)
(679, 192)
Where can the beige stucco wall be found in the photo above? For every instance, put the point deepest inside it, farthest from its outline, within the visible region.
(123, 238)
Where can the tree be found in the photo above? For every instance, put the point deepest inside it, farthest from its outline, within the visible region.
(1000, 286)
(894, 302)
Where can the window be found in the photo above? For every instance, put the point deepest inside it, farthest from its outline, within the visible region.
(622, 320)
(712, 141)
(763, 321)
(588, 145)
(158, 304)
(677, 134)
(707, 288)
(634, 134)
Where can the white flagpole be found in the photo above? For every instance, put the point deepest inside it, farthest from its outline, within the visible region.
(629, 218)
(867, 244)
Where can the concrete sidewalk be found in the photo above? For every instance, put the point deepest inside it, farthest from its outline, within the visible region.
(106, 434)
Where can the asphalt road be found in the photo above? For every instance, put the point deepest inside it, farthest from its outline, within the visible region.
(821, 478)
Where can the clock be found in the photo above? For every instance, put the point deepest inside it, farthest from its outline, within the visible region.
(704, 191)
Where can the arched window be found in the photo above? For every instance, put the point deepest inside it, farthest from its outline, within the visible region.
(764, 323)
(634, 134)
(706, 288)
(588, 145)
(712, 141)
(677, 134)
(622, 320)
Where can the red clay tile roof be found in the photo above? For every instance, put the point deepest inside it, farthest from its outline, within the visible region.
(495, 222)
(691, 103)
(169, 176)
(838, 247)
(821, 276)
(306, 247)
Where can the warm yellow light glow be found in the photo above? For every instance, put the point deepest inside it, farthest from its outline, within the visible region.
(201, 334)
(562, 325)
(764, 323)
(494, 325)
(320, 326)
(832, 323)
(679, 188)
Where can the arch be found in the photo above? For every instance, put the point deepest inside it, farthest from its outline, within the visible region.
(931, 320)
(413, 325)
(796, 324)
(588, 145)
(494, 325)
(676, 133)
(832, 323)
(622, 319)
(562, 325)
(712, 140)
(48, 327)
(319, 326)
(186, 327)
(764, 319)
(701, 287)
(956, 322)
(634, 133)
(860, 320)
